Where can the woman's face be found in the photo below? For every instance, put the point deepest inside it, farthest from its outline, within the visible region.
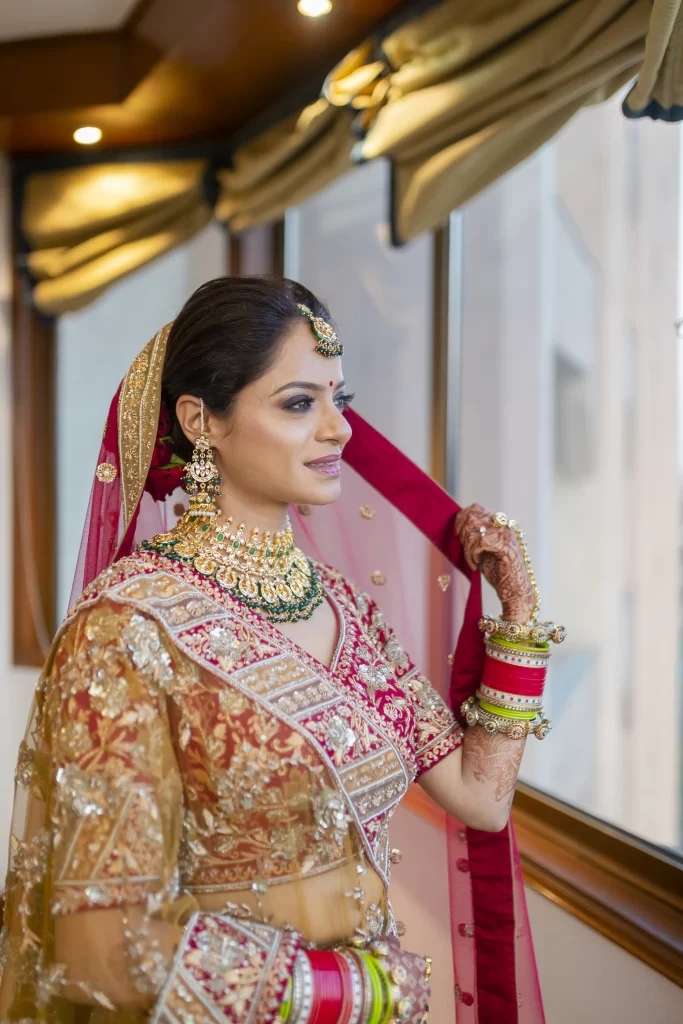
(283, 440)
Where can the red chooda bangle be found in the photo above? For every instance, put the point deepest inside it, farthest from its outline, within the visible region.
(328, 987)
(513, 679)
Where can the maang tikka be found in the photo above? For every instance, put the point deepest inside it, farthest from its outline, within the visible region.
(201, 479)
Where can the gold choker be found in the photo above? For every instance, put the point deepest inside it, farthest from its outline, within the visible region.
(267, 573)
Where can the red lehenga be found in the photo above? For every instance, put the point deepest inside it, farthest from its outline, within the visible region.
(183, 750)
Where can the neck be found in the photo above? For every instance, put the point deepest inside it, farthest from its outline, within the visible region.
(263, 515)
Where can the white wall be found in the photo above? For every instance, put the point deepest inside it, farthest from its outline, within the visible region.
(587, 978)
(95, 347)
(16, 684)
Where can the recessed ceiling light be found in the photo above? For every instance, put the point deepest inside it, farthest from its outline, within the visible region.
(87, 136)
(314, 8)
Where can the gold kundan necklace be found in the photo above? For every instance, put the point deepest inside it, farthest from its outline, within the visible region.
(267, 573)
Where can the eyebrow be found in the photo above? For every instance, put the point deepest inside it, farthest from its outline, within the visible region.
(307, 385)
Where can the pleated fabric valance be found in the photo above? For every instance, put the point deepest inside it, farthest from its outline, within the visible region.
(457, 97)
(89, 226)
(658, 93)
(453, 98)
(285, 165)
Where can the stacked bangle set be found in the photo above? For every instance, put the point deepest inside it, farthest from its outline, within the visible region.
(347, 986)
(510, 696)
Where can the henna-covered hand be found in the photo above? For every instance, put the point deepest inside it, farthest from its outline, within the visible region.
(497, 554)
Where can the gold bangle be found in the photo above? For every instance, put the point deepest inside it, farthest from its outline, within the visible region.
(538, 632)
(492, 724)
(513, 728)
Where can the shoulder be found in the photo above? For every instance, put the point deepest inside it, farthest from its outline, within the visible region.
(104, 639)
(101, 630)
(140, 563)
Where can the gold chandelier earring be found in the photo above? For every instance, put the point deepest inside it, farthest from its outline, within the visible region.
(201, 478)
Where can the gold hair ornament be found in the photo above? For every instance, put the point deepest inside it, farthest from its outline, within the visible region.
(328, 342)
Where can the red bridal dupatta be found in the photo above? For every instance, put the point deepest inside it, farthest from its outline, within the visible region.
(393, 534)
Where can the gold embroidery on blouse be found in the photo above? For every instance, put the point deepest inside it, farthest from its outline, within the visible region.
(107, 796)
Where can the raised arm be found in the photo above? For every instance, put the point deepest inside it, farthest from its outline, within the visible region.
(476, 783)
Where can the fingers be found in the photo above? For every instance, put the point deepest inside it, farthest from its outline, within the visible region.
(469, 523)
(499, 541)
(466, 515)
(479, 535)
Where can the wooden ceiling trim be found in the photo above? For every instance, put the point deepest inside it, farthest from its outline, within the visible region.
(177, 72)
(59, 73)
(55, 74)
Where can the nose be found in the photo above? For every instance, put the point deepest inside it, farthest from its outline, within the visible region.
(335, 427)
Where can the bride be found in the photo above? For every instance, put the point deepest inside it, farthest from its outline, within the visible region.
(225, 726)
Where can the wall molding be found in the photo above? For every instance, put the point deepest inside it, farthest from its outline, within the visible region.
(626, 889)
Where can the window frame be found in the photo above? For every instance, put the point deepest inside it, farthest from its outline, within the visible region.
(32, 358)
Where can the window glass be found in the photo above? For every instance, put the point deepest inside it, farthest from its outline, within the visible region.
(571, 405)
(337, 244)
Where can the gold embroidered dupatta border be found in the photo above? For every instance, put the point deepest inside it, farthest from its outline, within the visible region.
(138, 420)
(159, 590)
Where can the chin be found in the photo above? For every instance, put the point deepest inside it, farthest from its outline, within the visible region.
(326, 492)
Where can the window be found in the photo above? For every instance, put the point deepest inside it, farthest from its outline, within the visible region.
(569, 294)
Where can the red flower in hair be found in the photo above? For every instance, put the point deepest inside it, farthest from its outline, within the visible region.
(166, 468)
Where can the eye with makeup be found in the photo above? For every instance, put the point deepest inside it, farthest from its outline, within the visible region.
(302, 403)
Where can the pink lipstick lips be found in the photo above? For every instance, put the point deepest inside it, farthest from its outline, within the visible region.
(327, 466)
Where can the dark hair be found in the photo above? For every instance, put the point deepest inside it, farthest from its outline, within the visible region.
(225, 337)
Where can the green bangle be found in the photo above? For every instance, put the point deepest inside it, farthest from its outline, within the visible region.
(523, 646)
(376, 984)
(386, 982)
(286, 1007)
(522, 716)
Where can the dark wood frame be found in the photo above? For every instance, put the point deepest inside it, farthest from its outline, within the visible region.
(629, 891)
(270, 250)
(33, 474)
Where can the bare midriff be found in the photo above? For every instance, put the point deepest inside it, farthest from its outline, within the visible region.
(317, 906)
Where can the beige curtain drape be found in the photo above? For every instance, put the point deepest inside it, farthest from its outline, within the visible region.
(474, 86)
(89, 226)
(658, 93)
(454, 99)
(282, 167)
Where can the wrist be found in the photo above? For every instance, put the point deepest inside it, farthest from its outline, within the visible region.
(518, 610)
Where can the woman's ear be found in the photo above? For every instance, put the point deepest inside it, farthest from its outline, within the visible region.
(189, 413)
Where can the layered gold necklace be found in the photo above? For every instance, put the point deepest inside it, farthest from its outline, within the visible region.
(266, 572)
